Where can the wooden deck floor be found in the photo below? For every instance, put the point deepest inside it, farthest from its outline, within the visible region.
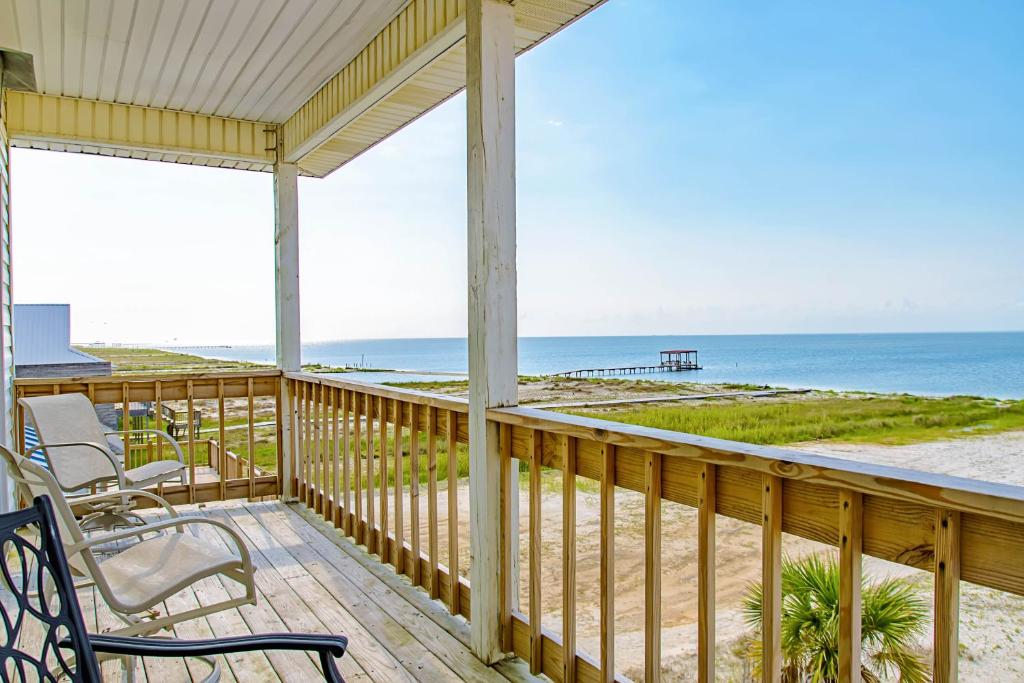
(311, 579)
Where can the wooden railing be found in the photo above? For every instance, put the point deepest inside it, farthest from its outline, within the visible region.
(225, 475)
(352, 442)
(959, 529)
(374, 461)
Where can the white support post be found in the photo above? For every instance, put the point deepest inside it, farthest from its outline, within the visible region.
(8, 409)
(286, 295)
(493, 375)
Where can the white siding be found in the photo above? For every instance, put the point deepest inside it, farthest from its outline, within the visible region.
(6, 310)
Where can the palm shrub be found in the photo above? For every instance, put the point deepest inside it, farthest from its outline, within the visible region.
(893, 617)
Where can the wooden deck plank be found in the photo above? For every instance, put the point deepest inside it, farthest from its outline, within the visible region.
(301, 604)
(246, 666)
(279, 609)
(323, 554)
(324, 585)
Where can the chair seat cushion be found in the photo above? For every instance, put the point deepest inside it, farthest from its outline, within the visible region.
(153, 569)
(158, 470)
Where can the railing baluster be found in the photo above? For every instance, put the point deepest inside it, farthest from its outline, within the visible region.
(506, 549)
(279, 432)
(771, 578)
(158, 402)
(652, 567)
(453, 514)
(294, 424)
(414, 491)
(568, 559)
(357, 437)
(307, 437)
(850, 545)
(298, 452)
(371, 527)
(252, 439)
(222, 446)
(432, 549)
(399, 492)
(385, 550)
(190, 389)
(346, 472)
(336, 397)
(536, 641)
(325, 451)
(318, 394)
(707, 503)
(947, 596)
(607, 578)
(126, 422)
(21, 424)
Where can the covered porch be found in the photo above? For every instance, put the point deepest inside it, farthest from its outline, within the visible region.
(342, 488)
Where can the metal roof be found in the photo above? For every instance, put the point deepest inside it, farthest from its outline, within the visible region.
(42, 336)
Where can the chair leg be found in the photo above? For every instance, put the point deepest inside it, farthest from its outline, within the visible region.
(214, 676)
(128, 669)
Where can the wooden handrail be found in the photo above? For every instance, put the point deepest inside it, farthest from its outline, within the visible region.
(145, 377)
(421, 398)
(991, 499)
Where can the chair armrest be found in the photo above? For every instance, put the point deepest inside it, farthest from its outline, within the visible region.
(163, 435)
(130, 493)
(328, 647)
(105, 450)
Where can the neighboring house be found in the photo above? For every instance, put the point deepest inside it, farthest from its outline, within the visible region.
(42, 348)
(42, 344)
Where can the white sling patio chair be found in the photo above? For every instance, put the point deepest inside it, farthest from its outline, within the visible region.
(136, 580)
(75, 446)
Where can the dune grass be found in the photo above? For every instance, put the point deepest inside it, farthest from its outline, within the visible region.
(890, 419)
(129, 360)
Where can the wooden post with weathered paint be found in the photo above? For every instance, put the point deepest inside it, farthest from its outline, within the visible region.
(286, 297)
(490, 105)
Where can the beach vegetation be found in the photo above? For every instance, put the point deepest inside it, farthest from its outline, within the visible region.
(893, 620)
(880, 419)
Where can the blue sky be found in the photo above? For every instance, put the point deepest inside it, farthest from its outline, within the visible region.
(682, 168)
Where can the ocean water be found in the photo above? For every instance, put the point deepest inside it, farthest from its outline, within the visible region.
(973, 363)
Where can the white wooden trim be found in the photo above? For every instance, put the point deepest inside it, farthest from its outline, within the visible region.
(286, 266)
(286, 298)
(406, 70)
(490, 98)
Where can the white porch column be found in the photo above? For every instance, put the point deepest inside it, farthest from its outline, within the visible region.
(286, 296)
(7, 401)
(490, 100)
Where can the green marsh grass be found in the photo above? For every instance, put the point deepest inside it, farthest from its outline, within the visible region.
(891, 419)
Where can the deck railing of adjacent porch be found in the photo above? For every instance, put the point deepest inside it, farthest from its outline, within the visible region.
(233, 475)
(348, 466)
